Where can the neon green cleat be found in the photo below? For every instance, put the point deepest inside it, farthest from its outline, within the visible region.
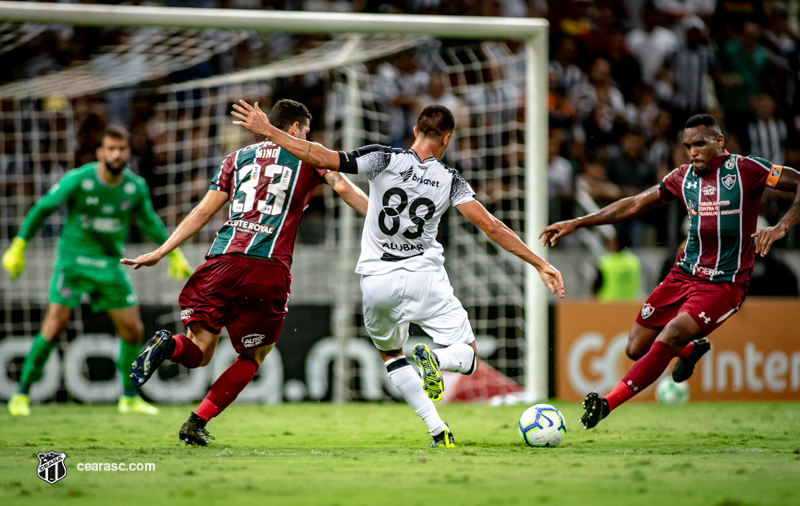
(432, 381)
(19, 405)
(136, 405)
(444, 439)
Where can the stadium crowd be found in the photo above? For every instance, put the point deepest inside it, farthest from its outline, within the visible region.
(624, 75)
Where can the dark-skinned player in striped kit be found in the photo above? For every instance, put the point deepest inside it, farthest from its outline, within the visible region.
(721, 193)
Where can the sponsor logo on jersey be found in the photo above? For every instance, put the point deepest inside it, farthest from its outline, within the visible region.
(186, 313)
(124, 205)
(252, 340)
(92, 201)
(407, 173)
(704, 317)
(129, 188)
(647, 310)
(106, 225)
(729, 180)
(267, 152)
(403, 247)
(107, 209)
(250, 227)
(709, 190)
(707, 271)
(98, 263)
(425, 181)
(87, 185)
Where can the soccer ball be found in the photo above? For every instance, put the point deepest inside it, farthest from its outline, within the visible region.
(542, 425)
(669, 392)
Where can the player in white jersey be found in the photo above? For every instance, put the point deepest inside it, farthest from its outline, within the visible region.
(403, 279)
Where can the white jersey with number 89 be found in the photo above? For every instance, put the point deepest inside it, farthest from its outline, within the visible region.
(407, 198)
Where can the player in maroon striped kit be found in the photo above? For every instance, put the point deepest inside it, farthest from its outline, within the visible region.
(244, 285)
(721, 192)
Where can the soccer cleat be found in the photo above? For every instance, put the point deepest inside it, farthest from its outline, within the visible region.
(443, 439)
(193, 434)
(684, 367)
(596, 409)
(19, 405)
(136, 405)
(158, 349)
(432, 381)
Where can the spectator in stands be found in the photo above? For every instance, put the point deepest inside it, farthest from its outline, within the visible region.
(403, 83)
(744, 72)
(631, 171)
(600, 105)
(560, 180)
(767, 132)
(687, 69)
(651, 44)
(594, 181)
(625, 68)
(564, 67)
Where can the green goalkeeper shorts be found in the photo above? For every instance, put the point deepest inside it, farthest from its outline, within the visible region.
(108, 289)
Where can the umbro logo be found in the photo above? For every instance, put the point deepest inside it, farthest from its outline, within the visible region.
(407, 174)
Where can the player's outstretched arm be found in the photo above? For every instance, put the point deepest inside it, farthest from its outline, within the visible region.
(620, 210)
(500, 234)
(197, 219)
(350, 193)
(255, 120)
(790, 182)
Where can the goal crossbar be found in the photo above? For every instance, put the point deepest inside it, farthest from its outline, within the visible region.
(461, 27)
(532, 31)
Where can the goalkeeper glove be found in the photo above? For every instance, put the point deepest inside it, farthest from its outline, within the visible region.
(14, 257)
(179, 267)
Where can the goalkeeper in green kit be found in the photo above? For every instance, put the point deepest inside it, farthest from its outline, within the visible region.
(101, 198)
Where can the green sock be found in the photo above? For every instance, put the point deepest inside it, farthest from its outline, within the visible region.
(33, 366)
(127, 354)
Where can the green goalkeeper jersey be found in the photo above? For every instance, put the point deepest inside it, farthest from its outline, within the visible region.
(98, 217)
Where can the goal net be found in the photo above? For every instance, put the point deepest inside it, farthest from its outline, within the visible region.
(363, 89)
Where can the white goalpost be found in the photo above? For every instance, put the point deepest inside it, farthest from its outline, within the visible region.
(488, 79)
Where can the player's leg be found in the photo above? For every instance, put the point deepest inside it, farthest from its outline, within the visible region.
(436, 309)
(672, 338)
(254, 320)
(407, 381)
(128, 323)
(641, 338)
(384, 302)
(55, 321)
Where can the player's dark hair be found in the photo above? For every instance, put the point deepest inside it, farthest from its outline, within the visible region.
(286, 113)
(115, 132)
(435, 121)
(702, 120)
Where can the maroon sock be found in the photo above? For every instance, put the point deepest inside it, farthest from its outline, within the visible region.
(687, 350)
(186, 352)
(227, 387)
(641, 374)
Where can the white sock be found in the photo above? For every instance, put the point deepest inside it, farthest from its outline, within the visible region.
(406, 379)
(458, 357)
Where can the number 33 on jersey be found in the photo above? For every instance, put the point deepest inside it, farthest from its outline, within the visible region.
(407, 198)
(269, 189)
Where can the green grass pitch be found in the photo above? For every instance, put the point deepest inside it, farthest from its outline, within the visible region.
(373, 454)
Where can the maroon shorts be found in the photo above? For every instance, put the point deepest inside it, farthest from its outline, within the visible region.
(709, 303)
(247, 296)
